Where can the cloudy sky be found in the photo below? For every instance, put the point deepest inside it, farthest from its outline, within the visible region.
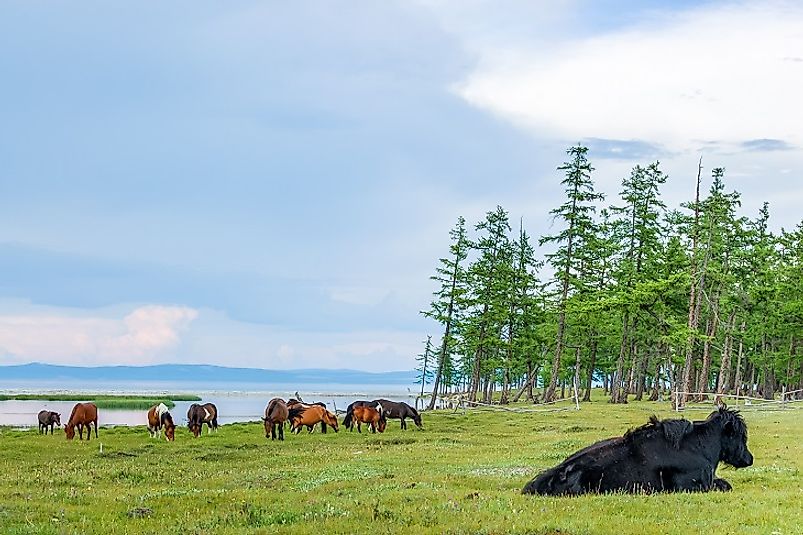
(270, 184)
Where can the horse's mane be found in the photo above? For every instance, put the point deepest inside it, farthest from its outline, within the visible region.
(295, 411)
(167, 418)
(72, 413)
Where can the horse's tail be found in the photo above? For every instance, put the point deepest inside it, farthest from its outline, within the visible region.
(295, 411)
(347, 421)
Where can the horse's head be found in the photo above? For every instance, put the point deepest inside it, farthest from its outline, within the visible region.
(69, 431)
(170, 432)
(267, 423)
(330, 420)
(733, 438)
(55, 418)
(195, 429)
(417, 420)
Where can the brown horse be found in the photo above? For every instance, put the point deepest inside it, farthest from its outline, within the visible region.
(83, 414)
(276, 414)
(297, 404)
(374, 417)
(48, 419)
(309, 415)
(198, 415)
(159, 417)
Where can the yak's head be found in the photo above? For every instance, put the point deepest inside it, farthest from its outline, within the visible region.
(734, 437)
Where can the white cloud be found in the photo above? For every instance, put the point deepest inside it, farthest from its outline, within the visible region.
(724, 73)
(60, 336)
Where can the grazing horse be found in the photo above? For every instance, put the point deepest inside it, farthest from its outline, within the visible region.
(374, 417)
(295, 403)
(48, 419)
(276, 414)
(159, 417)
(348, 420)
(661, 456)
(198, 415)
(83, 414)
(399, 410)
(309, 415)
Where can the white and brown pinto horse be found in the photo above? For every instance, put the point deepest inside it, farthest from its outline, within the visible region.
(159, 418)
(198, 415)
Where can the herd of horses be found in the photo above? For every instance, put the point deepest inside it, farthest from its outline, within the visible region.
(672, 455)
(278, 413)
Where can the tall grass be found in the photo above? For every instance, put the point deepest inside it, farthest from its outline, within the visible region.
(106, 401)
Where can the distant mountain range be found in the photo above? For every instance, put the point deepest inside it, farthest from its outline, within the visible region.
(204, 373)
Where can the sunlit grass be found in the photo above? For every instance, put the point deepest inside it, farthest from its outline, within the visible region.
(461, 474)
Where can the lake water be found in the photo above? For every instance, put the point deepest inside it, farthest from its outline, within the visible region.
(236, 402)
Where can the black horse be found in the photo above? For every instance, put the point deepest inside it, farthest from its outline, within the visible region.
(48, 419)
(661, 456)
(398, 410)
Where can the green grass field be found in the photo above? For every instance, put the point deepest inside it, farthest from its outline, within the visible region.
(106, 401)
(460, 474)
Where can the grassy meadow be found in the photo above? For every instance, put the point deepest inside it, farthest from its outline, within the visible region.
(106, 401)
(461, 474)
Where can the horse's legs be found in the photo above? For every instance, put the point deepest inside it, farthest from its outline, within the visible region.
(80, 431)
(404, 423)
(96, 427)
(359, 428)
(281, 431)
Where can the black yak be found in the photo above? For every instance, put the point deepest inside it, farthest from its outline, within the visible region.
(661, 456)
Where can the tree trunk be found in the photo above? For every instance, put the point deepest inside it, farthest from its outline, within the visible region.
(616, 381)
(694, 298)
(591, 364)
(704, 379)
(723, 385)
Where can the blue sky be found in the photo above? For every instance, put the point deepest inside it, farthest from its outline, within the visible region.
(270, 184)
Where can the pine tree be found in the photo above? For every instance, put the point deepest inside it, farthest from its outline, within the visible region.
(449, 301)
(576, 213)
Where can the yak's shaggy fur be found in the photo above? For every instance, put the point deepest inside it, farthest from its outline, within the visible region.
(661, 456)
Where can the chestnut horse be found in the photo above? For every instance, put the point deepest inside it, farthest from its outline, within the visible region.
(198, 415)
(159, 417)
(374, 417)
(83, 414)
(309, 415)
(276, 414)
(48, 419)
(295, 403)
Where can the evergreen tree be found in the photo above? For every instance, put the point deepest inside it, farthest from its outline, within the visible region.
(577, 215)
